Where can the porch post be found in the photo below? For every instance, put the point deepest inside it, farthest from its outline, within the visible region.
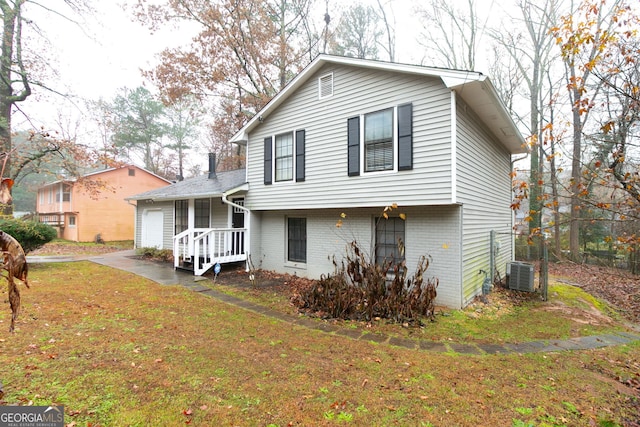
(247, 225)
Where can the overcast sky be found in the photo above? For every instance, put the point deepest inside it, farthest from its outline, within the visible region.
(105, 53)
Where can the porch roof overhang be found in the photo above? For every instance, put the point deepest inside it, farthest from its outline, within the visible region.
(473, 87)
(240, 189)
(198, 187)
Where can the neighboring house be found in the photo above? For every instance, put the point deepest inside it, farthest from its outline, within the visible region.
(348, 137)
(94, 205)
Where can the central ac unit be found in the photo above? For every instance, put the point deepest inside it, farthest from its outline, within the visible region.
(520, 276)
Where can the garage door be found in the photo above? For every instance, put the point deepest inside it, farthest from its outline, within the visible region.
(152, 226)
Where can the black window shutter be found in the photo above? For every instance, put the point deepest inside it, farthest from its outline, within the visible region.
(300, 155)
(353, 142)
(268, 164)
(405, 137)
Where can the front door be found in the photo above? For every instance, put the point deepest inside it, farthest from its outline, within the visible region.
(237, 221)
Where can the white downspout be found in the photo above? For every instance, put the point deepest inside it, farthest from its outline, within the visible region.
(247, 225)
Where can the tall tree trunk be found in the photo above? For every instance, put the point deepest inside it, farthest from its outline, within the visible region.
(555, 196)
(11, 40)
(535, 178)
(576, 178)
(6, 90)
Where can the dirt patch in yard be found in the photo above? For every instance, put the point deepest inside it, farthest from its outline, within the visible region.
(619, 288)
(75, 248)
(584, 315)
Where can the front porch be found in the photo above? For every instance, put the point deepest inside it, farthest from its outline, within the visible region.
(199, 249)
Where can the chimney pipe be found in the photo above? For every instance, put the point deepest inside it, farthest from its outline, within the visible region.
(212, 165)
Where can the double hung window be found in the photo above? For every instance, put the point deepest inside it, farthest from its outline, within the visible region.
(284, 157)
(378, 141)
(390, 235)
(385, 137)
(202, 209)
(297, 239)
(182, 216)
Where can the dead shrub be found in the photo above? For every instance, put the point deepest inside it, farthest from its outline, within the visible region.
(360, 289)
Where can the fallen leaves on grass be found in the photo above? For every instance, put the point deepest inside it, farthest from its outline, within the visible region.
(618, 287)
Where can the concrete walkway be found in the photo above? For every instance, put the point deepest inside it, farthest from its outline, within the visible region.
(166, 275)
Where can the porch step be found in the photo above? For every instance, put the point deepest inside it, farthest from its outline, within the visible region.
(185, 266)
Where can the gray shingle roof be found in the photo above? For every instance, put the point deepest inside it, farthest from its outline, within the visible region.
(196, 187)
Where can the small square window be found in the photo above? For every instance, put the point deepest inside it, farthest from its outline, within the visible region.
(132, 172)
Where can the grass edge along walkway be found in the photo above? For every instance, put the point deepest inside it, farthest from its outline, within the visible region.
(167, 275)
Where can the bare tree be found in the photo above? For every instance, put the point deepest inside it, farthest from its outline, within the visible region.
(531, 52)
(449, 35)
(17, 64)
(100, 113)
(183, 119)
(583, 35)
(358, 34)
(388, 19)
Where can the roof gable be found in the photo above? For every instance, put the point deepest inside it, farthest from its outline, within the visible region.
(474, 88)
(107, 171)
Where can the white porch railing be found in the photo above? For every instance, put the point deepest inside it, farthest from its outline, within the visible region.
(204, 247)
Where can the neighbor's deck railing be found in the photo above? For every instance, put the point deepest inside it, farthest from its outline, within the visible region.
(204, 247)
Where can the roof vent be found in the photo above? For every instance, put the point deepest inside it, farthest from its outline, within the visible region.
(325, 86)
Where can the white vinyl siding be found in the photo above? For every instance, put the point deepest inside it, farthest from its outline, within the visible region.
(482, 159)
(451, 206)
(327, 184)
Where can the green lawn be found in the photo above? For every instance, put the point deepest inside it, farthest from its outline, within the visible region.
(119, 350)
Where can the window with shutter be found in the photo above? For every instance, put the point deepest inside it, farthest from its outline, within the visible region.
(378, 141)
(284, 157)
(386, 140)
